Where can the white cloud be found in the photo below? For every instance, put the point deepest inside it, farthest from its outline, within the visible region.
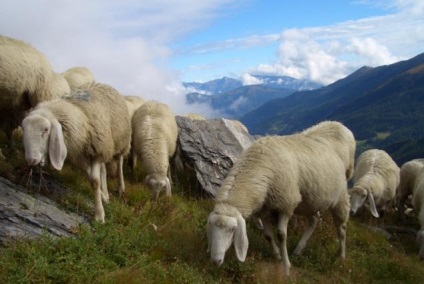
(238, 103)
(125, 43)
(326, 54)
(248, 79)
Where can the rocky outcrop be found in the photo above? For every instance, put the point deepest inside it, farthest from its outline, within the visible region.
(26, 215)
(210, 148)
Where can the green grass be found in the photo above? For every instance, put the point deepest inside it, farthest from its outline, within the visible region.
(144, 241)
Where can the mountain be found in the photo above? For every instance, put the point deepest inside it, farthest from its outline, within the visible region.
(287, 82)
(232, 99)
(213, 87)
(237, 102)
(383, 106)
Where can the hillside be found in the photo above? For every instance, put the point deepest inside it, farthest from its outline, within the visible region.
(383, 106)
(164, 241)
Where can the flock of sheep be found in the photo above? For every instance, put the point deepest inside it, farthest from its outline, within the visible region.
(70, 116)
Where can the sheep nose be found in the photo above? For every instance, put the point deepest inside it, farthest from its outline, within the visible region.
(218, 261)
(32, 162)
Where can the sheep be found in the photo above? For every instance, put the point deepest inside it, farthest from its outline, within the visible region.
(89, 128)
(375, 181)
(78, 77)
(133, 103)
(303, 173)
(418, 203)
(26, 79)
(194, 116)
(408, 175)
(154, 141)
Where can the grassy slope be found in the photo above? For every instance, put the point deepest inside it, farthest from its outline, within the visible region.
(128, 248)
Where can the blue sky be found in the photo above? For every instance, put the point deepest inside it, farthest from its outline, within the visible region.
(147, 48)
(257, 18)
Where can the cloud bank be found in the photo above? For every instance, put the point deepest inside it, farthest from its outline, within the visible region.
(125, 43)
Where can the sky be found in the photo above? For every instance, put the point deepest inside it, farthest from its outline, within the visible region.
(148, 48)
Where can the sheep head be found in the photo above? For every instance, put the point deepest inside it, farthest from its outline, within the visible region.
(42, 137)
(221, 231)
(157, 183)
(358, 197)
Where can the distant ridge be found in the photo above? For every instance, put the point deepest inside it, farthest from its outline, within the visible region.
(229, 97)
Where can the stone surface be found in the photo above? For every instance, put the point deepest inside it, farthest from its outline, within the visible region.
(210, 148)
(25, 215)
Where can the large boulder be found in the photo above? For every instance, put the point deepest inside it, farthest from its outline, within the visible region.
(26, 214)
(210, 148)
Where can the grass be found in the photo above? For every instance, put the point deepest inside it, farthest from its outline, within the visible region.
(144, 241)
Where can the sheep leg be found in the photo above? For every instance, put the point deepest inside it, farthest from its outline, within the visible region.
(121, 176)
(269, 235)
(103, 183)
(283, 221)
(312, 223)
(94, 177)
(340, 218)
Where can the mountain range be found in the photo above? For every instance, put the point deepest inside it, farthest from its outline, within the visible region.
(383, 106)
(232, 99)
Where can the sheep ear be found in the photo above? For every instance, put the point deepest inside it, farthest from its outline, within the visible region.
(168, 187)
(209, 233)
(57, 147)
(373, 208)
(241, 243)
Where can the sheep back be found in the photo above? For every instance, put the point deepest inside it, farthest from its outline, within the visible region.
(26, 76)
(155, 134)
(408, 174)
(78, 77)
(418, 196)
(133, 103)
(376, 171)
(288, 174)
(339, 138)
(95, 123)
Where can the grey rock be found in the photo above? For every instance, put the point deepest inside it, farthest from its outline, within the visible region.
(24, 215)
(210, 148)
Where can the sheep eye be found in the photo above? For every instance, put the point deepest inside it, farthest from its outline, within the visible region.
(45, 130)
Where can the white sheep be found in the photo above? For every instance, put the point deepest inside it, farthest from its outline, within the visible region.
(26, 79)
(194, 116)
(154, 141)
(303, 173)
(133, 103)
(89, 128)
(375, 181)
(418, 203)
(408, 174)
(78, 77)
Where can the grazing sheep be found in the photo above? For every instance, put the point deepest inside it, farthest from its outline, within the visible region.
(304, 173)
(418, 203)
(375, 181)
(133, 103)
(194, 116)
(78, 77)
(408, 175)
(89, 128)
(154, 141)
(26, 79)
